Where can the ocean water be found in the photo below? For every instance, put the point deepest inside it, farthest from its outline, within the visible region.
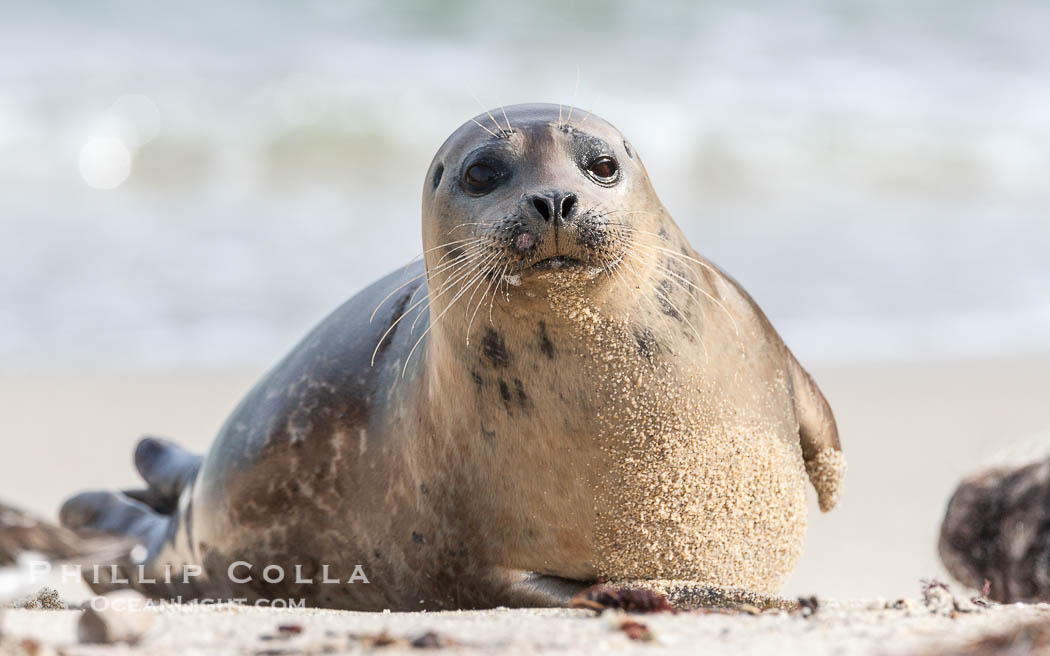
(198, 183)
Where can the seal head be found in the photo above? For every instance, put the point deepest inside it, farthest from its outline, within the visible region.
(534, 194)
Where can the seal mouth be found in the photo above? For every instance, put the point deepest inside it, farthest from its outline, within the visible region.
(557, 262)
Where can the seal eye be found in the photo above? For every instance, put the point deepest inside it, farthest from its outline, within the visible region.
(480, 177)
(604, 168)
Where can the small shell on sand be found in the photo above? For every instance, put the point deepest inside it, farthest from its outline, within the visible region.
(42, 599)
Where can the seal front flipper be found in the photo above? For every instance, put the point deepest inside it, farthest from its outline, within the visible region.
(819, 437)
(531, 590)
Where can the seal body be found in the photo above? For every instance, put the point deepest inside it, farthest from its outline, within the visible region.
(564, 391)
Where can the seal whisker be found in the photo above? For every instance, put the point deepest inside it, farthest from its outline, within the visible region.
(484, 109)
(677, 279)
(449, 284)
(446, 244)
(665, 296)
(683, 281)
(627, 286)
(488, 271)
(575, 90)
(468, 223)
(412, 279)
(492, 281)
(470, 264)
(502, 279)
(714, 300)
(475, 260)
(485, 129)
(612, 270)
(391, 328)
(469, 249)
(452, 303)
(509, 129)
(393, 324)
(452, 263)
(451, 243)
(394, 291)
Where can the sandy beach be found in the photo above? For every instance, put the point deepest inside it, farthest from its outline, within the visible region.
(185, 190)
(909, 430)
(909, 627)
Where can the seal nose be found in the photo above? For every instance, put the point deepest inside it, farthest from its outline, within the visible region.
(556, 206)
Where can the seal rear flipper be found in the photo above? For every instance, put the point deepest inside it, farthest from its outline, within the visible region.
(114, 514)
(167, 469)
(819, 437)
(158, 503)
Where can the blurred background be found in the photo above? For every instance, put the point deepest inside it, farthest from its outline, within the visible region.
(186, 188)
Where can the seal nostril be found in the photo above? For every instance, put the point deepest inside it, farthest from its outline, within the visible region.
(542, 207)
(568, 204)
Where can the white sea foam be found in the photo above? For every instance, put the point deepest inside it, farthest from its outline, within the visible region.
(876, 178)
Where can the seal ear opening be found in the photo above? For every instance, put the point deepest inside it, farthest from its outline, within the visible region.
(439, 170)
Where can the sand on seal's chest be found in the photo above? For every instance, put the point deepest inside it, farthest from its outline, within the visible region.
(692, 489)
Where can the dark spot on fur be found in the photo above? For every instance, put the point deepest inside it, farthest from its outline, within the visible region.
(546, 347)
(418, 538)
(377, 554)
(439, 170)
(663, 296)
(489, 435)
(646, 342)
(423, 489)
(495, 349)
(520, 389)
(627, 147)
(504, 391)
(678, 268)
(399, 309)
(478, 380)
(663, 233)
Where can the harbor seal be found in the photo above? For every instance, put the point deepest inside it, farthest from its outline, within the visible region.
(562, 392)
(995, 535)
